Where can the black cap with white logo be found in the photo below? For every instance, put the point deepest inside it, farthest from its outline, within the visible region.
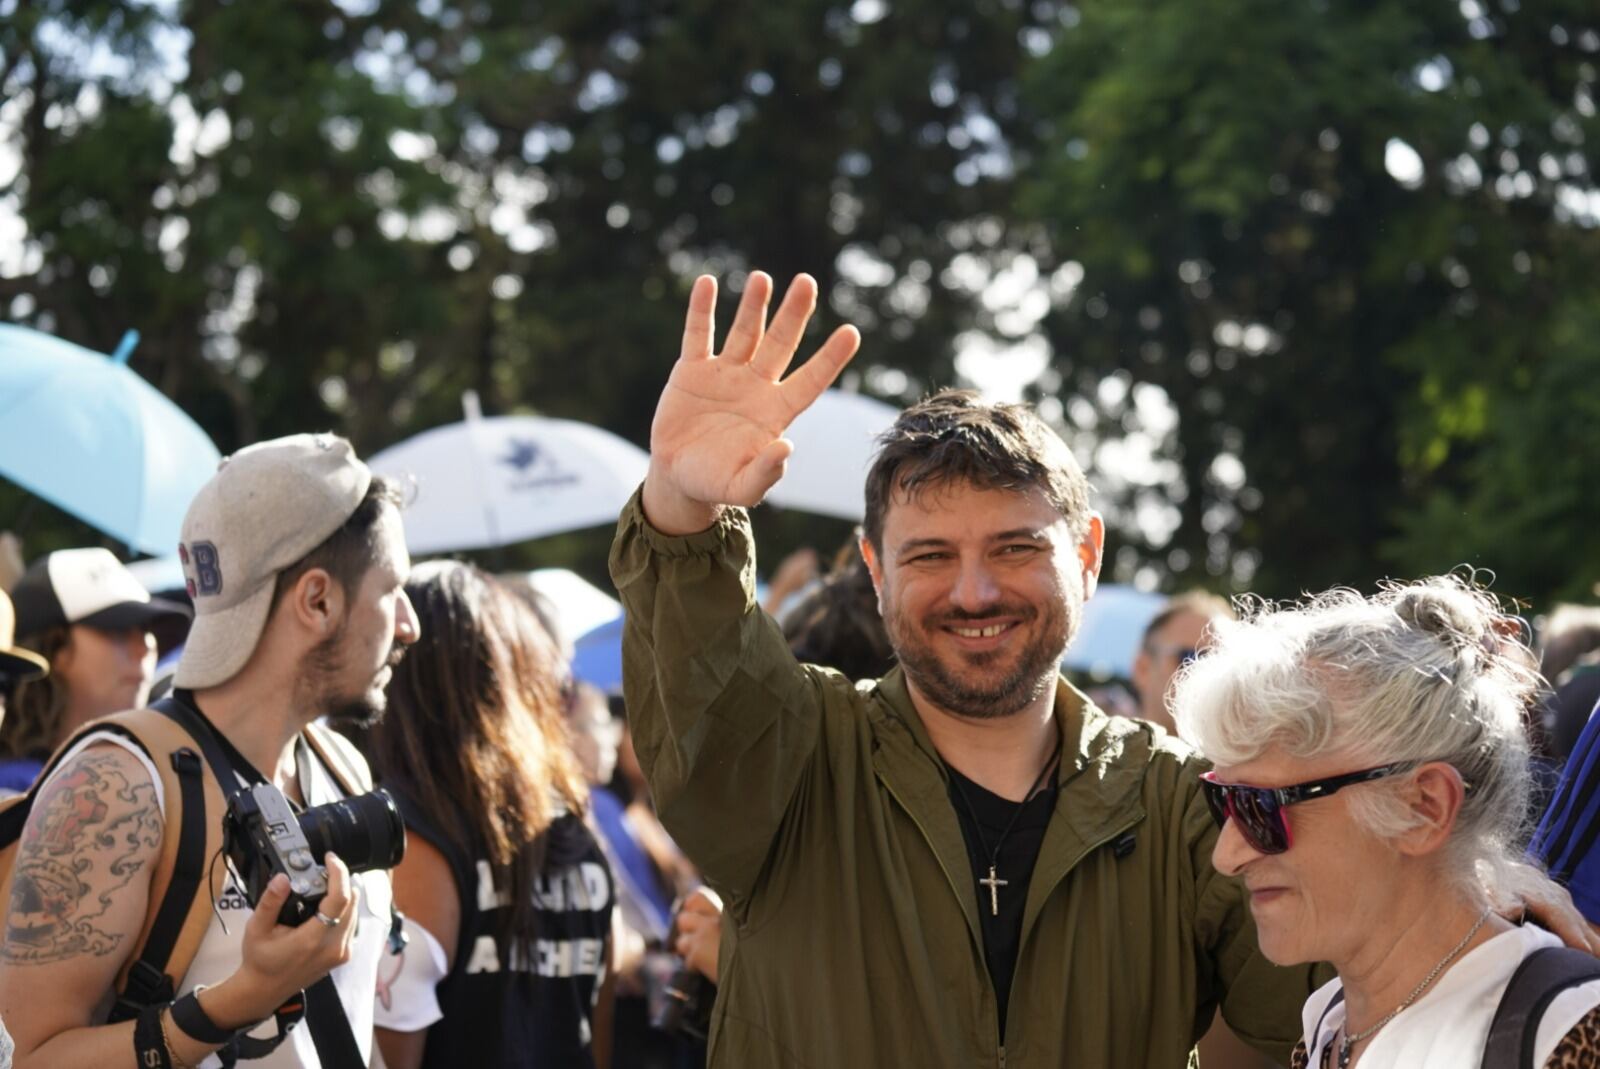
(89, 587)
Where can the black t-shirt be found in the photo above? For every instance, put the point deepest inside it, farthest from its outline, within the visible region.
(501, 1012)
(1002, 934)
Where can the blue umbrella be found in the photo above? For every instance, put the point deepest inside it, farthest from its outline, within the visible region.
(597, 657)
(90, 436)
(1108, 637)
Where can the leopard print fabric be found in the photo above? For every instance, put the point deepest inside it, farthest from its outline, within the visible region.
(1300, 1058)
(1578, 1049)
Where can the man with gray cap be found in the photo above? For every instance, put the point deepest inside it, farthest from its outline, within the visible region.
(294, 556)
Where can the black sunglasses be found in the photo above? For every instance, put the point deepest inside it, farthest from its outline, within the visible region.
(1258, 812)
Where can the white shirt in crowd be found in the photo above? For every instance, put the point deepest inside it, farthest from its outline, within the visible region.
(1447, 1027)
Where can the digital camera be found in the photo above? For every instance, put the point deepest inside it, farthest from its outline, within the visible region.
(686, 1006)
(263, 836)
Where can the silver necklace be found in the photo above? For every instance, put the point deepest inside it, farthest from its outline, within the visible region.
(1349, 1041)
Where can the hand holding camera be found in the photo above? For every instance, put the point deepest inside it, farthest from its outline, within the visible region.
(280, 961)
(290, 866)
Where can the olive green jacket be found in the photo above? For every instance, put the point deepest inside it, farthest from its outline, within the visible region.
(820, 811)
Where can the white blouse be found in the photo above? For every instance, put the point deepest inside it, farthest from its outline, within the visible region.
(1447, 1027)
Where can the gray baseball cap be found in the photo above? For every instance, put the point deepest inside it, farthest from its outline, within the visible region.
(267, 506)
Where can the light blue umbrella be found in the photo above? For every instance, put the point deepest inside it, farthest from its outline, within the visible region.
(87, 434)
(1108, 637)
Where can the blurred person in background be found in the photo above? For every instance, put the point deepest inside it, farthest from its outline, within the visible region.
(837, 625)
(1175, 636)
(1569, 660)
(92, 621)
(652, 874)
(16, 665)
(507, 895)
(1569, 830)
(595, 734)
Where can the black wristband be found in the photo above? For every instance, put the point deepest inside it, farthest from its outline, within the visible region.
(149, 1045)
(189, 1015)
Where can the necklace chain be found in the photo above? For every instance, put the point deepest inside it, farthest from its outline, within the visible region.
(994, 856)
(1349, 1041)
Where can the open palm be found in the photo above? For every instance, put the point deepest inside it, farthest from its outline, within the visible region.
(717, 438)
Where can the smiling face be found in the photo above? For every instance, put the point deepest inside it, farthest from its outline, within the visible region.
(981, 590)
(1306, 905)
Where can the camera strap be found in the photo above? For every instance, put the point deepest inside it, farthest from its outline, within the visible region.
(324, 1013)
(330, 1027)
(199, 729)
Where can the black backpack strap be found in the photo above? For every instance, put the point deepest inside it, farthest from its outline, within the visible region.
(330, 1027)
(148, 983)
(201, 731)
(1542, 976)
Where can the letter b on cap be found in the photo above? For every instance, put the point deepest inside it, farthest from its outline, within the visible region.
(207, 569)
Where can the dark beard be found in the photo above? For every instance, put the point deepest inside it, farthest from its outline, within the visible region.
(1034, 676)
(363, 710)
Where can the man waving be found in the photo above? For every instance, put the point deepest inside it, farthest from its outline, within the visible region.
(965, 863)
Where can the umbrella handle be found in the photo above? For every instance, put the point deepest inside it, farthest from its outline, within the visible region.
(125, 347)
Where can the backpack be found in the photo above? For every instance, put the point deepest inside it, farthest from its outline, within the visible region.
(182, 886)
(1540, 977)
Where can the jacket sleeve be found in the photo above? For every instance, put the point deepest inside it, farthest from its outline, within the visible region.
(724, 719)
(1260, 1001)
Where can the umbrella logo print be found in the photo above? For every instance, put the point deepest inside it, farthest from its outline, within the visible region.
(524, 455)
(535, 468)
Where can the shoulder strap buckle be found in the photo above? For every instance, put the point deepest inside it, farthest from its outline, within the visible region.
(147, 986)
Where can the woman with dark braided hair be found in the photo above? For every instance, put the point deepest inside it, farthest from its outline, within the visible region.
(507, 895)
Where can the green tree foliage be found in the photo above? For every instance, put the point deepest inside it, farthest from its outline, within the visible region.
(1350, 242)
(345, 214)
(1351, 245)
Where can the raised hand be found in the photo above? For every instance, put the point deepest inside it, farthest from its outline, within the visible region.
(717, 438)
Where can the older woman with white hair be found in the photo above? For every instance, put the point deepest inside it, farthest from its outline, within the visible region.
(1371, 780)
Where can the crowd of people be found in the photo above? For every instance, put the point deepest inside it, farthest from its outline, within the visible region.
(371, 819)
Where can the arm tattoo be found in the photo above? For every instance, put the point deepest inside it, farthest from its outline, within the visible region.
(88, 836)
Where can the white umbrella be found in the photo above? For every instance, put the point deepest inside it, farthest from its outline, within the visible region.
(499, 480)
(580, 605)
(834, 442)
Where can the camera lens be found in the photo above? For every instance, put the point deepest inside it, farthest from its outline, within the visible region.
(366, 831)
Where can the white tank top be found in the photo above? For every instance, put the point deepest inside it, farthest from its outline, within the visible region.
(221, 949)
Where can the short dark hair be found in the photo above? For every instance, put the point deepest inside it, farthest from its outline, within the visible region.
(955, 436)
(350, 551)
(838, 626)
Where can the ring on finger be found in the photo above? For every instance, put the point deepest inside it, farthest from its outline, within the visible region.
(331, 922)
